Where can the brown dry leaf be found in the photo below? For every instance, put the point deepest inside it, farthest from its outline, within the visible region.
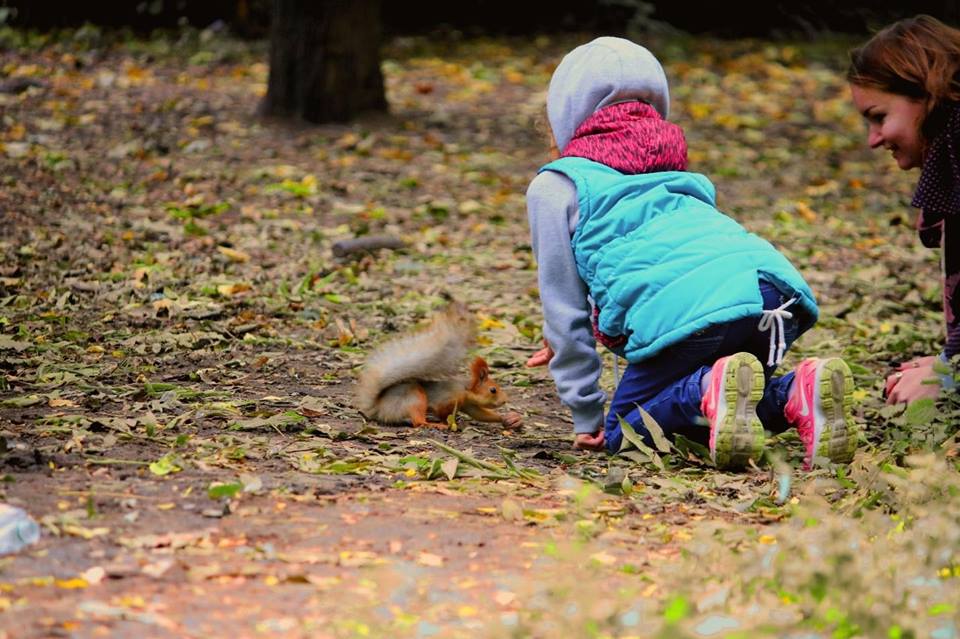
(164, 304)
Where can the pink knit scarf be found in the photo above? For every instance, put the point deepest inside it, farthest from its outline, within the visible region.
(630, 137)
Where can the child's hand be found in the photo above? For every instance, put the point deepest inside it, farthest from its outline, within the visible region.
(589, 441)
(541, 357)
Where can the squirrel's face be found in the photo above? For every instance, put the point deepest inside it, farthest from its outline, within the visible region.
(486, 392)
(497, 396)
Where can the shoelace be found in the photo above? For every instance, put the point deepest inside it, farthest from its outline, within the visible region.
(772, 320)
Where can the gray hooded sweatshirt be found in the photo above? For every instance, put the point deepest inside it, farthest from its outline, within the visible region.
(594, 75)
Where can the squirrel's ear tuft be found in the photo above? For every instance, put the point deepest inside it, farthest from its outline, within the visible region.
(479, 371)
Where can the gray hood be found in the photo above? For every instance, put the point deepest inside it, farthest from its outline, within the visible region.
(602, 72)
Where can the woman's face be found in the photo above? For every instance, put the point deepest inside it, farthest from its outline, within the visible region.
(893, 122)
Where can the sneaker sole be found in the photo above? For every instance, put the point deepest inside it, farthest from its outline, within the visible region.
(838, 433)
(740, 433)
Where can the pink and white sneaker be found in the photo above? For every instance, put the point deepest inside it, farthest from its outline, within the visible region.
(819, 405)
(730, 405)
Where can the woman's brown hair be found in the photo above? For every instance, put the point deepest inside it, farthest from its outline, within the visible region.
(918, 58)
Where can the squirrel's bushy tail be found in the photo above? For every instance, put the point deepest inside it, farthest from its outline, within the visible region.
(435, 353)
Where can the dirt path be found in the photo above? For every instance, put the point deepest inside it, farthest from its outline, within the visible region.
(160, 558)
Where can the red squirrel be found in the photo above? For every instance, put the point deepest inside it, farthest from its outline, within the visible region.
(424, 371)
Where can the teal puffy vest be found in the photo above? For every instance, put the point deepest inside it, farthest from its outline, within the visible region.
(661, 262)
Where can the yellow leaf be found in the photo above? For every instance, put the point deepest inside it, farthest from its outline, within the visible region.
(699, 111)
(131, 601)
(233, 255)
(71, 584)
(166, 506)
(767, 539)
(348, 140)
(85, 533)
(229, 290)
(487, 322)
(804, 211)
(514, 77)
(59, 402)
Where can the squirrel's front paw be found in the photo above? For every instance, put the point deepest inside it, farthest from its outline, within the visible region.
(512, 419)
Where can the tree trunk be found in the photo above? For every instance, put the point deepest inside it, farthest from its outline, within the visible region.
(324, 60)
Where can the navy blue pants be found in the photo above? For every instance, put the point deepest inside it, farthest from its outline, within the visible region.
(667, 385)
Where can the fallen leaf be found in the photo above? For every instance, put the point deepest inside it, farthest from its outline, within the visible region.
(85, 533)
(233, 255)
(429, 559)
(158, 568)
(511, 510)
(93, 576)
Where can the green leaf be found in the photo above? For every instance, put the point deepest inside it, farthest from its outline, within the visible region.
(218, 490)
(22, 402)
(165, 466)
(449, 467)
(687, 446)
(921, 411)
(631, 438)
(659, 439)
(676, 610)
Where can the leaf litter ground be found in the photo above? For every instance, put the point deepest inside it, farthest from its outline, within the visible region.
(178, 344)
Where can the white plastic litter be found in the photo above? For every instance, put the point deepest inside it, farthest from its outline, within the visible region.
(17, 529)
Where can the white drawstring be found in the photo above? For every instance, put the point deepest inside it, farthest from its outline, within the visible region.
(616, 370)
(772, 320)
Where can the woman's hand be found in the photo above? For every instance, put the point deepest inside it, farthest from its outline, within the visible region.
(927, 360)
(913, 380)
(589, 441)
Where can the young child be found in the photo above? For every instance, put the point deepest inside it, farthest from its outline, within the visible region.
(632, 252)
(906, 83)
